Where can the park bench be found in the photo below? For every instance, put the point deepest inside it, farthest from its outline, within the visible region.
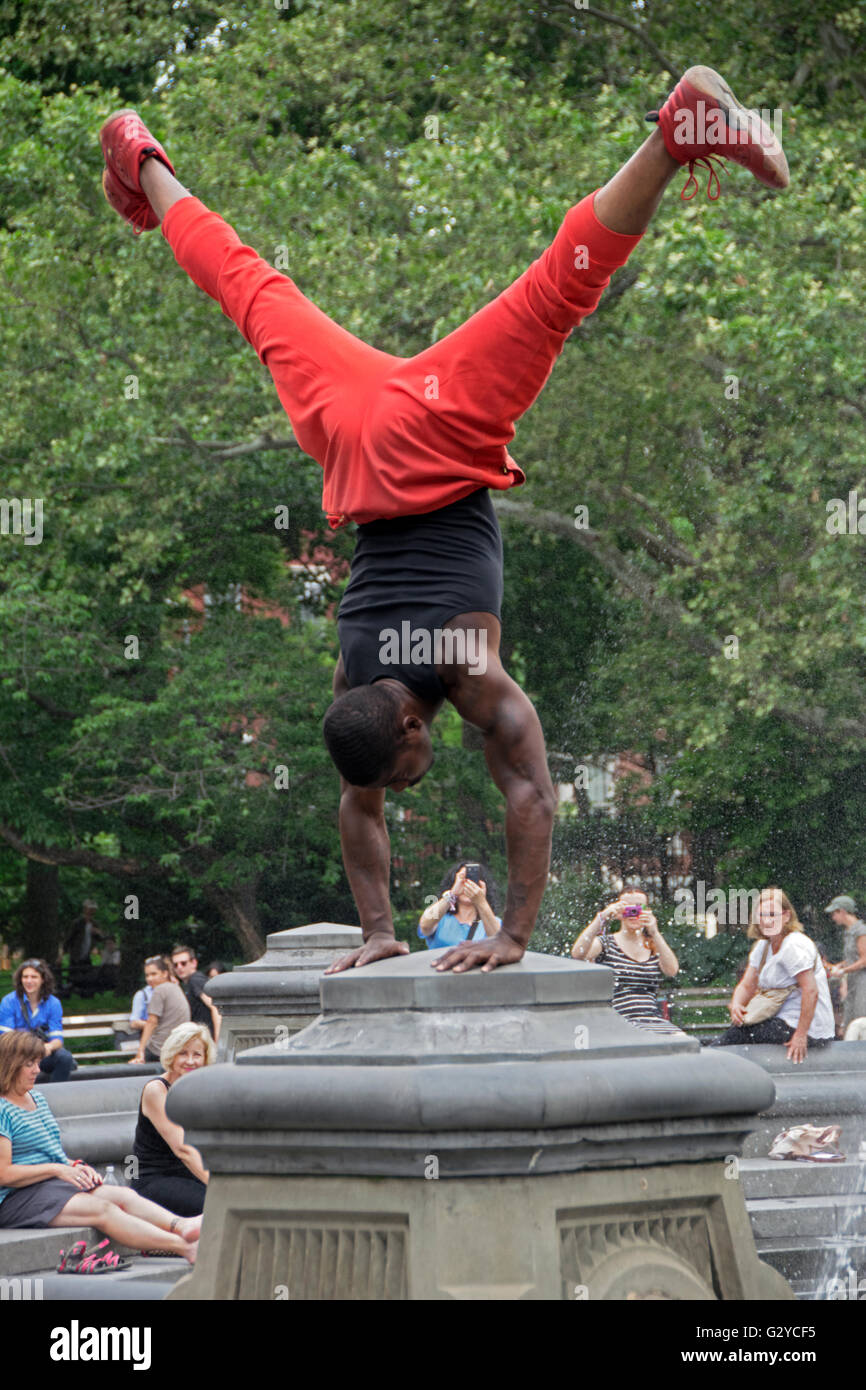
(687, 1007)
(78, 1027)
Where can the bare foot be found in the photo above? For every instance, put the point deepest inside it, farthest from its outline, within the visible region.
(190, 1229)
(191, 1251)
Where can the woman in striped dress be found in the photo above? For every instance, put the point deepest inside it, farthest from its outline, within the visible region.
(638, 955)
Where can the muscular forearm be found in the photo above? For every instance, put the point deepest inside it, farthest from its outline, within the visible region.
(367, 859)
(528, 830)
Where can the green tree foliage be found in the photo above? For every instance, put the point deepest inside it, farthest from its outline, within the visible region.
(405, 162)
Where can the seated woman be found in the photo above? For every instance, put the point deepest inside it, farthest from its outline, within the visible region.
(784, 957)
(638, 955)
(40, 1186)
(167, 1008)
(34, 1008)
(463, 911)
(170, 1171)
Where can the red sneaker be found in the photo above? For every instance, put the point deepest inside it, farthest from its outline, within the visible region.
(126, 142)
(702, 120)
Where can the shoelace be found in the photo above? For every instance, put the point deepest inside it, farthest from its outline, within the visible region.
(705, 159)
(692, 178)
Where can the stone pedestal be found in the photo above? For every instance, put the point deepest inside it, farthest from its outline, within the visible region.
(277, 995)
(474, 1136)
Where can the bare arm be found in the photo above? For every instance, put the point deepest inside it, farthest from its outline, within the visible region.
(216, 1016)
(852, 966)
(26, 1174)
(742, 994)
(588, 945)
(432, 915)
(153, 1105)
(799, 1042)
(367, 859)
(666, 956)
(146, 1034)
(515, 754)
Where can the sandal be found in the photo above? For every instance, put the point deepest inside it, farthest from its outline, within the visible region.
(75, 1253)
(80, 1260)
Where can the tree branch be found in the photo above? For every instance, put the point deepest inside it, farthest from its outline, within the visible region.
(812, 721)
(218, 449)
(82, 858)
(634, 29)
(49, 706)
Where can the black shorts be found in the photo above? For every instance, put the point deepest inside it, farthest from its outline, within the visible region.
(412, 575)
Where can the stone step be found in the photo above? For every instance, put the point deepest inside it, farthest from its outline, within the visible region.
(761, 1138)
(149, 1279)
(807, 1217)
(814, 1261)
(771, 1177)
(26, 1251)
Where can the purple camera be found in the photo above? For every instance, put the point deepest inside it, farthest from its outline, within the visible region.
(633, 910)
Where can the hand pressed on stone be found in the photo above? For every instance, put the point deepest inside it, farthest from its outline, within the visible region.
(377, 947)
(496, 950)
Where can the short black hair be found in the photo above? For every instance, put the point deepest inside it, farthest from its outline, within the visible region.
(361, 731)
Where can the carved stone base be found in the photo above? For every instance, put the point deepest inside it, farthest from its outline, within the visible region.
(676, 1231)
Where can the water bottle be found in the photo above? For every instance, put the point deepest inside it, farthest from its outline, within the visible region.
(109, 1177)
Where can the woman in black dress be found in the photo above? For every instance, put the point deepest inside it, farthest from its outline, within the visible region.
(170, 1171)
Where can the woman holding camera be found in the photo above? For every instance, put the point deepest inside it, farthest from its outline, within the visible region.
(33, 1007)
(638, 955)
(463, 910)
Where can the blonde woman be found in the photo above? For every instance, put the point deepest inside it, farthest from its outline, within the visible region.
(783, 957)
(41, 1186)
(169, 1170)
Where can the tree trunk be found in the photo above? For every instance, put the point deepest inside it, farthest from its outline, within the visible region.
(238, 908)
(42, 933)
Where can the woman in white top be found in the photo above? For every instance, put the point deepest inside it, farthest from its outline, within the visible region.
(784, 957)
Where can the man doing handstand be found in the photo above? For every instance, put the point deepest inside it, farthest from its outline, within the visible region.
(410, 448)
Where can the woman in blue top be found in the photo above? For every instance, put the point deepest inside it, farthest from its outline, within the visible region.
(40, 1186)
(463, 911)
(33, 1005)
